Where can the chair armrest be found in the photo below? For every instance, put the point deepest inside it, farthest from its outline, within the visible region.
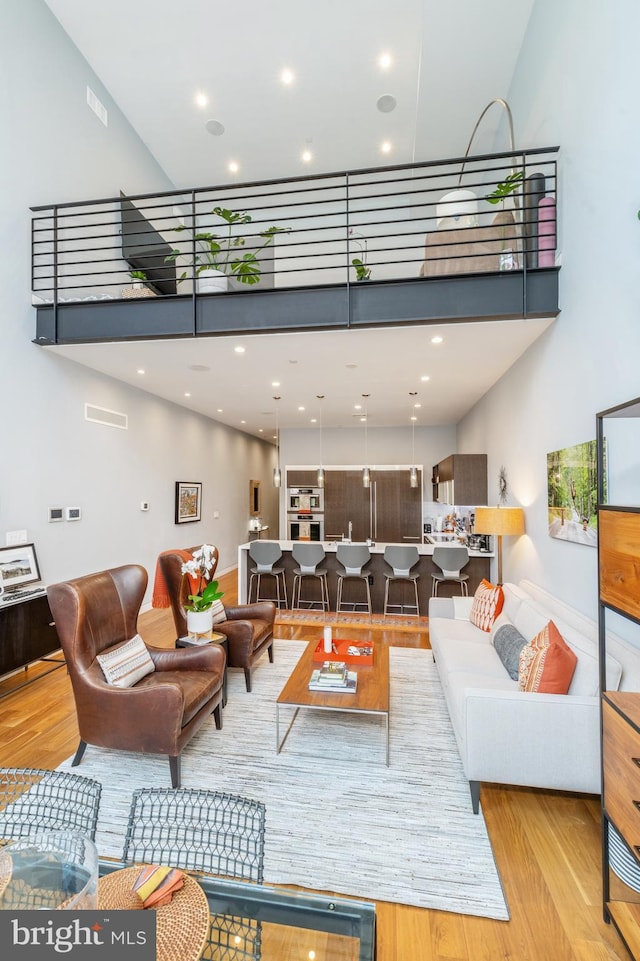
(208, 657)
(263, 610)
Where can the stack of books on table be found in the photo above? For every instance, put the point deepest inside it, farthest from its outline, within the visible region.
(332, 677)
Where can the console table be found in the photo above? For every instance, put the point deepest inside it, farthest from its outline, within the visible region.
(27, 634)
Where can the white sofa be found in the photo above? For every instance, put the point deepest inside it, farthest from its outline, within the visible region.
(509, 736)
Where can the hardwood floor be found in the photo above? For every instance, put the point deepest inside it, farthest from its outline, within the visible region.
(546, 844)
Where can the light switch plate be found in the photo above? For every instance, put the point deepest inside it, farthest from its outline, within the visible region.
(16, 537)
(56, 514)
(74, 513)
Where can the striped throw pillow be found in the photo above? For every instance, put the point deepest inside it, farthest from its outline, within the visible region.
(547, 663)
(487, 604)
(218, 611)
(126, 664)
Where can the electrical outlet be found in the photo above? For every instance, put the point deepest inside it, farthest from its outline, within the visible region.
(16, 537)
(216, 515)
(144, 505)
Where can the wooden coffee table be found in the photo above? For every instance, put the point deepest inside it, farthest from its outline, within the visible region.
(371, 695)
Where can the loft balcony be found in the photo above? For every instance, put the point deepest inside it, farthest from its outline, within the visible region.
(431, 246)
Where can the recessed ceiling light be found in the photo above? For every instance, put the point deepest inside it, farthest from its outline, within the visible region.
(287, 76)
(219, 410)
(417, 405)
(425, 377)
(275, 383)
(293, 361)
(239, 349)
(357, 406)
(384, 61)
(307, 156)
(314, 420)
(300, 408)
(187, 394)
(385, 146)
(437, 339)
(362, 419)
(198, 367)
(413, 417)
(215, 127)
(201, 99)
(233, 167)
(260, 430)
(243, 422)
(141, 370)
(351, 366)
(386, 103)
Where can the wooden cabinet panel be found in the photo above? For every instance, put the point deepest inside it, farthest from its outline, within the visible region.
(621, 758)
(468, 472)
(26, 633)
(302, 478)
(619, 548)
(397, 508)
(345, 499)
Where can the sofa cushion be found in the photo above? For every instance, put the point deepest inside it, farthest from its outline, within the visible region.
(508, 642)
(471, 658)
(530, 620)
(126, 664)
(546, 663)
(487, 604)
(442, 630)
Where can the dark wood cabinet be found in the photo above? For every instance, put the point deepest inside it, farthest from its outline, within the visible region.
(302, 478)
(27, 632)
(461, 479)
(390, 510)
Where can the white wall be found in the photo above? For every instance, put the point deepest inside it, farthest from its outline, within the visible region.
(576, 85)
(385, 445)
(55, 149)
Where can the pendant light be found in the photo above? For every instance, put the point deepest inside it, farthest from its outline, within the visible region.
(366, 473)
(413, 473)
(277, 475)
(320, 468)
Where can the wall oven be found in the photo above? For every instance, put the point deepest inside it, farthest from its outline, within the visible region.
(305, 499)
(305, 527)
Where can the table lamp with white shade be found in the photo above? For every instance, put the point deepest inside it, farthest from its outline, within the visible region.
(499, 522)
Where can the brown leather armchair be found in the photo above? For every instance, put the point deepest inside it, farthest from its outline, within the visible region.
(248, 628)
(163, 710)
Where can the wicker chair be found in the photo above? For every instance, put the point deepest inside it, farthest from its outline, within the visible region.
(204, 832)
(34, 800)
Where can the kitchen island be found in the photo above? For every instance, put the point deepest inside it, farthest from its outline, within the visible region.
(477, 569)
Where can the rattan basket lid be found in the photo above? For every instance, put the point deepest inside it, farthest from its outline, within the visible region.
(182, 926)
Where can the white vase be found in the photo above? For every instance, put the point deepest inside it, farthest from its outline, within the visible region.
(212, 281)
(200, 622)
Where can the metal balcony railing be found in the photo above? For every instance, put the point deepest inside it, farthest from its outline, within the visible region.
(461, 216)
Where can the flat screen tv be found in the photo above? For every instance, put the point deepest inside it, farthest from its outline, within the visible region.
(145, 249)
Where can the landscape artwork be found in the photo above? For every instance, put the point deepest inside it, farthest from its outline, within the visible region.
(573, 494)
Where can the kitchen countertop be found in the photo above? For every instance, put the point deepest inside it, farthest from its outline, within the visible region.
(330, 547)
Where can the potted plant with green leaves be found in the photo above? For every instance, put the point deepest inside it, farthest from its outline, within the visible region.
(220, 256)
(139, 286)
(360, 263)
(508, 186)
(201, 604)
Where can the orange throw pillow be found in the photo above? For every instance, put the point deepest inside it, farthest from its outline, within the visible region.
(487, 604)
(546, 663)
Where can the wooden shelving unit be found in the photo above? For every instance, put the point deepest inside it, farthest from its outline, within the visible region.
(619, 594)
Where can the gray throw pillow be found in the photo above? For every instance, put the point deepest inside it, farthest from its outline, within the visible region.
(508, 642)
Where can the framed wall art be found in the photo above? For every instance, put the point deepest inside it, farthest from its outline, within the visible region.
(18, 565)
(188, 501)
(572, 494)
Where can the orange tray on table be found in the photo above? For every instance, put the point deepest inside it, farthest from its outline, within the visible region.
(341, 652)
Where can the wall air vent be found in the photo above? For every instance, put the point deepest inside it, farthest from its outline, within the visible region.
(98, 108)
(110, 418)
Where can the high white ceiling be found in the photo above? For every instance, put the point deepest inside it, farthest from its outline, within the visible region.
(449, 58)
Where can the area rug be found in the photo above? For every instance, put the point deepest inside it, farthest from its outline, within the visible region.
(338, 819)
(395, 622)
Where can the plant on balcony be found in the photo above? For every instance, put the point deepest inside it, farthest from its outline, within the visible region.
(222, 252)
(498, 196)
(360, 263)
